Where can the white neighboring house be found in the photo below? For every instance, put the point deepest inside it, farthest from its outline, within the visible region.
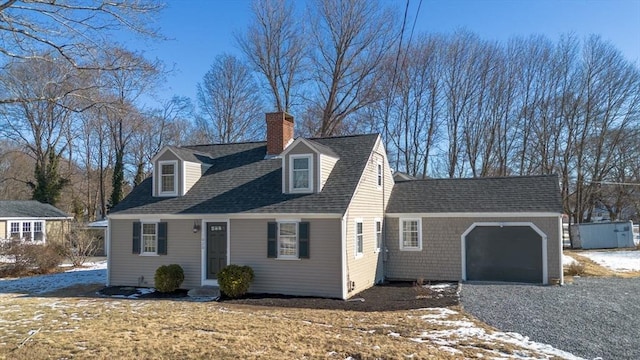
(31, 221)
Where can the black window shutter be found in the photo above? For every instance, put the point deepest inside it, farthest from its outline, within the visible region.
(303, 240)
(136, 237)
(162, 238)
(272, 240)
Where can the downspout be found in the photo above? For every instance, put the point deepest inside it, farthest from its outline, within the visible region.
(108, 240)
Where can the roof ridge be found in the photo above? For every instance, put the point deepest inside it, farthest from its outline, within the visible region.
(226, 144)
(341, 136)
(485, 178)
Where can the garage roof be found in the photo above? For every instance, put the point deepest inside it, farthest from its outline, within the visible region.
(496, 194)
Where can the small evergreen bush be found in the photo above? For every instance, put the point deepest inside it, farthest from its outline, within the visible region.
(168, 278)
(234, 280)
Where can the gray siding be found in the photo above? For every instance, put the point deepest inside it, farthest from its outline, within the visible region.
(183, 248)
(441, 255)
(326, 166)
(320, 275)
(368, 203)
(193, 171)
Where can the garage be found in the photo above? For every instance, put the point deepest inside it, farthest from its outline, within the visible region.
(504, 252)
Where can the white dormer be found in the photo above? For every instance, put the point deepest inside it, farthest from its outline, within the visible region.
(176, 170)
(306, 166)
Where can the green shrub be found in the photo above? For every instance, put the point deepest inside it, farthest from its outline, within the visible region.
(168, 278)
(234, 280)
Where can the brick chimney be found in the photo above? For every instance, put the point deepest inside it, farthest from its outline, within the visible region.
(279, 132)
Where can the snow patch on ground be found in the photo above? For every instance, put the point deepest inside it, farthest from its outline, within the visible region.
(626, 260)
(90, 273)
(568, 260)
(464, 332)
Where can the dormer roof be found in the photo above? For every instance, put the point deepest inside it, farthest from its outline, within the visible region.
(314, 144)
(184, 154)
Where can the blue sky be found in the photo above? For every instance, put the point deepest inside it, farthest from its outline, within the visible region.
(202, 29)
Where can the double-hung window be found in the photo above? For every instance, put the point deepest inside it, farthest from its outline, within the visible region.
(288, 239)
(359, 238)
(15, 231)
(411, 234)
(301, 178)
(149, 238)
(378, 232)
(168, 178)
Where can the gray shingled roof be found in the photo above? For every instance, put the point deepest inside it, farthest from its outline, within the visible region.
(242, 180)
(499, 194)
(191, 155)
(29, 209)
(323, 149)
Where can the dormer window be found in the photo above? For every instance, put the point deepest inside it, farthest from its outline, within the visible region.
(301, 179)
(168, 178)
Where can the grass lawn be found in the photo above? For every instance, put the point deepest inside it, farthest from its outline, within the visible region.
(60, 325)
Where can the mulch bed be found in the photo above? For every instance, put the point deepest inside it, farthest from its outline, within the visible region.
(386, 297)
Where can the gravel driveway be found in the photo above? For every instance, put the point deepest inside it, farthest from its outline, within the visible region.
(593, 317)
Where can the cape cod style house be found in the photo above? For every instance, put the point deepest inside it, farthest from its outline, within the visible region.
(324, 217)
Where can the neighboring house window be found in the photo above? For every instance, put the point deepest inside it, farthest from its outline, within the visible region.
(150, 238)
(359, 238)
(378, 231)
(168, 177)
(27, 230)
(38, 233)
(379, 177)
(288, 240)
(15, 231)
(410, 234)
(301, 173)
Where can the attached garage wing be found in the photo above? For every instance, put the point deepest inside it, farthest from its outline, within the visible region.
(511, 252)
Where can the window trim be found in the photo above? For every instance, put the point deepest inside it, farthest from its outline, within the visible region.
(379, 174)
(377, 245)
(297, 242)
(401, 222)
(358, 254)
(161, 180)
(32, 230)
(142, 247)
(309, 158)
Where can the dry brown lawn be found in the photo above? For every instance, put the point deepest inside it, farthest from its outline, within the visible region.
(62, 326)
(591, 268)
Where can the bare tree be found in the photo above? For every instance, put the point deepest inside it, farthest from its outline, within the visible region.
(132, 75)
(274, 46)
(230, 108)
(166, 125)
(69, 29)
(352, 38)
(42, 127)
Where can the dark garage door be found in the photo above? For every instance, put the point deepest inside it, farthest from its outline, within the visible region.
(507, 253)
